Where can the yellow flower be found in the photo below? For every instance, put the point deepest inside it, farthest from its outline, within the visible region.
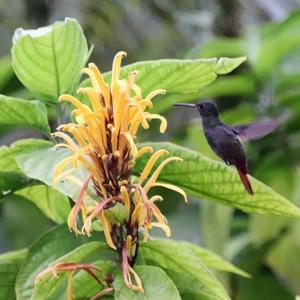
(102, 141)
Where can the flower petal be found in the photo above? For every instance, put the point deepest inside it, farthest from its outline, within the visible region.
(154, 176)
(172, 187)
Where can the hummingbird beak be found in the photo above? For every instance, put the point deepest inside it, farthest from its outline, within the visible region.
(185, 104)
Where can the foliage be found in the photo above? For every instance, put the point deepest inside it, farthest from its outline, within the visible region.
(168, 269)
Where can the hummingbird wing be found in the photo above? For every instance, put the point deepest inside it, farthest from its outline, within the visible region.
(259, 129)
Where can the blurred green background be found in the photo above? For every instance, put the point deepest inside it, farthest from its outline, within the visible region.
(268, 33)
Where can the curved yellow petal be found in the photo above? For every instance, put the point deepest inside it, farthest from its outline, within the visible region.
(163, 121)
(67, 139)
(116, 67)
(131, 142)
(154, 176)
(137, 90)
(156, 198)
(172, 187)
(143, 150)
(164, 227)
(106, 230)
(93, 78)
(75, 102)
(125, 197)
(93, 97)
(104, 87)
(150, 164)
(130, 80)
(155, 93)
(60, 167)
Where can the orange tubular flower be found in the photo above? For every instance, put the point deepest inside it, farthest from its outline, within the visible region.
(102, 141)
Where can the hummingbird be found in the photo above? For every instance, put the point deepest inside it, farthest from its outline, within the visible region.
(227, 140)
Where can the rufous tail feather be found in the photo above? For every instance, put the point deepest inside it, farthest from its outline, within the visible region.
(245, 181)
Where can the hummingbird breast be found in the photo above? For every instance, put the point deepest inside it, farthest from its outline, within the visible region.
(226, 144)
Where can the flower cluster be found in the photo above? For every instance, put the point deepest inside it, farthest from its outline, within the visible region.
(102, 141)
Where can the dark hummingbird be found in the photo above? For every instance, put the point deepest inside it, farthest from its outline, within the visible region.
(226, 140)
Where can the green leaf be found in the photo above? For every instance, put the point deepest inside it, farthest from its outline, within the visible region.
(23, 222)
(6, 71)
(156, 284)
(13, 255)
(283, 258)
(55, 288)
(14, 111)
(228, 46)
(182, 79)
(215, 224)
(212, 180)
(118, 214)
(212, 260)
(11, 176)
(231, 85)
(179, 76)
(53, 204)
(51, 247)
(171, 255)
(188, 286)
(198, 175)
(40, 164)
(264, 286)
(9, 266)
(48, 60)
(225, 65)
(28, 145)
(278, 38)
(265, 228)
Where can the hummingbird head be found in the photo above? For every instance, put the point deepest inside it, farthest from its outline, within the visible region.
(206, 108)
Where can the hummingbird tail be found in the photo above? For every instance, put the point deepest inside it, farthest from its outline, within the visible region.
(245, 181)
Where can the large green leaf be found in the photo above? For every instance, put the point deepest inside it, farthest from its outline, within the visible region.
(230, 85)
(9, 265)
(48, 60)
(14, 111)
(156, 284)
(47, 159)
(213, 180)
(182, 79)
(173, 256)
(212, 260)
(198, 175)
(51, 247)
